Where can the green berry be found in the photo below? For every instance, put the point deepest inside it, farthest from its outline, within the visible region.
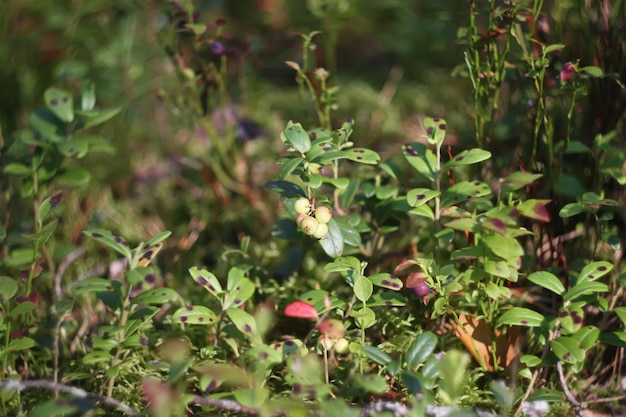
(321, 231)
(323, 214)
(302, 206)
(309, 225)
(341, 346)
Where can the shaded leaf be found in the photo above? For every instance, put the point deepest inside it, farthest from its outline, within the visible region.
(156, 296)
(377, 355)
(534, 209)
(422, 347)
(333, 242)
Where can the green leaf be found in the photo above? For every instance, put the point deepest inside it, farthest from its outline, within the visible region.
(530, 360)
(363, 288)
(251, 397)
(93, 118)
(412, 381)
(364, 318)
(156, 296)
(74, 176)
(421, 348)
(76, 148)
(592, 71)
(362, 155)
(60, 103)
(22, 343)
(614, 338)
(464, 225)
(594, 271)
(289, 164)
(22, 308)
(372, 383)
(20, 170)
(534, 209)
(45, 122)
(620, 311)
(571, 209)
(93, 284)
(112, 240)
(377, 355)
(435, 128)
(584, 288)
(244, 322)
(339, 183)
(453, 381)
(386, 281)
(8, 288)
(61, 407)
(546, 394)
(586, 336)
(285, 188)
(567, 349)
(504, 247)
(517, 180)
(88, 96)
(548, 281)
(194, 315)
(139, 318)
(387, 299)
(419, 196)
(463, 190)
(158, 238)
(295, 135)
(46, 206)
(318, 299)
(333, 242)
(350, 233)
(96, 357)
(468, 157)
(421, 158)
(207, 280)
(239, 295)
(553, 48)
(520, 316)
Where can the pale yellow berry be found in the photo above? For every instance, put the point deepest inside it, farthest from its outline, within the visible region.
(302, 206)
(321, 231)
(323, 214)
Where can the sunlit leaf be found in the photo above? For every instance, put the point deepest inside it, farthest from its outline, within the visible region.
(468, 157)
(195, 315)
(548, 281)
(521, 316)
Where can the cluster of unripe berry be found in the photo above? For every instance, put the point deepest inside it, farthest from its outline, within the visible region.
(313, 221)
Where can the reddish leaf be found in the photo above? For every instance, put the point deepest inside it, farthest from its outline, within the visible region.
(534, 209)
(301, 310)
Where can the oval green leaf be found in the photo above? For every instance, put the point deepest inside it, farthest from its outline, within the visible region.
(548, 281)
(194, 315)
(363, 288)
(421, 348)
(521, 316)
(156, 296)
